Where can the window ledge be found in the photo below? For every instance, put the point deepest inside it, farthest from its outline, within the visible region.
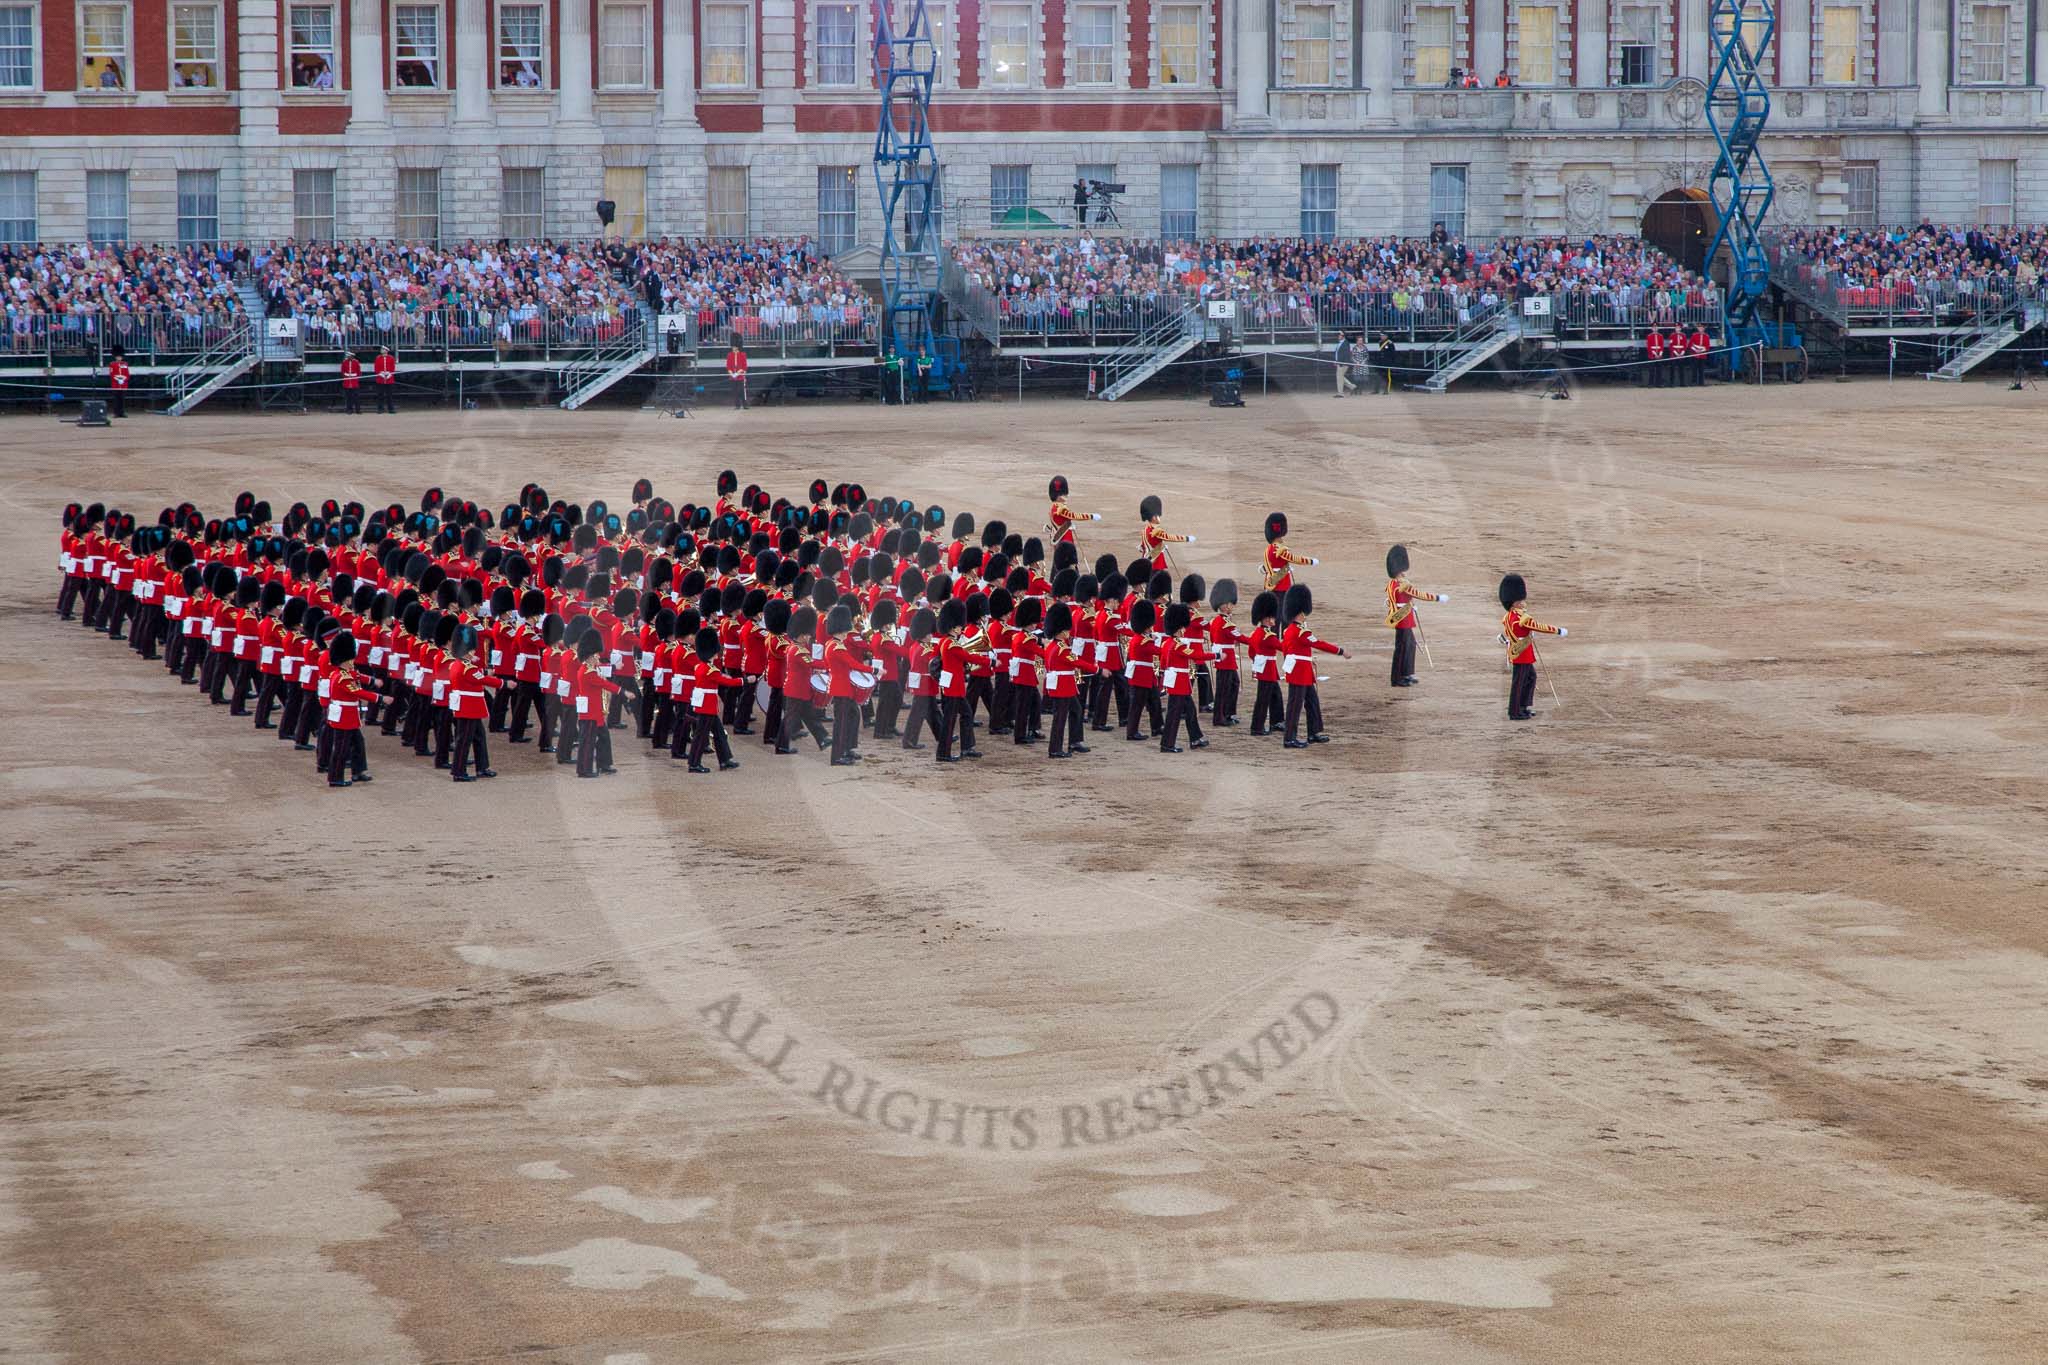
(317, 96)
(199, 96)
(110, 96)
(428, 94)
(729, 95)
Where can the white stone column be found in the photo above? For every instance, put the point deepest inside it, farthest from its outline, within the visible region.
(2040, 22)
(1380, 53)
(1692, 39)
(577, 105)
(259, 58)
(1931, 61)
(366, 68)
(472, 62)
(1589, 70)
(678, 62)
(1489, 39)
(1254, 49)
(1795, 42)
(1895, 41)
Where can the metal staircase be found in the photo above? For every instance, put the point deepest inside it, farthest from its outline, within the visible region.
(1153, 350)
(610, 362)
(1467, 349)
(1962, 349)
(1741, 188)
(233, 354)
(907, 181)
(969, 305)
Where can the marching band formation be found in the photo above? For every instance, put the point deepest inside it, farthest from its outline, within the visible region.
(841, 617)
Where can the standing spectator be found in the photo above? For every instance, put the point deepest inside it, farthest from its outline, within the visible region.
(385, 369)
(736, 374)
(351, 384)
(1346, 353)
(1387, 359)
(924, 374)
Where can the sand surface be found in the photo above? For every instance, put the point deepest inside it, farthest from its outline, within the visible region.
(1704, 1019)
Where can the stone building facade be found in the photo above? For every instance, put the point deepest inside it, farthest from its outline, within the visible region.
(264, 119)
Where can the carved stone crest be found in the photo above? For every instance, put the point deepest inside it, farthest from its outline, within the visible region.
(1795, 199)
(1685, 101)
(1795, 103)
(1635, 104)
(1585, 205)
(1588, 105)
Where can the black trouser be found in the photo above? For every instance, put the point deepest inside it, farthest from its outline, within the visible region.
(739, 393)
(91, 610)
(590, 734)
(1066, 725)
(662, 724)
(711, 730)
(1404, 655)
(352, 397)
(444, 737)
(681, 724)
(1000, 700)
(67, 596)
(647, 698)
(980, 692)
(802, 715)
(1301, 695)
(292, 696)
(743, 707)
(1522, 690)
(1024, 713)
(772, 717)
(568, 730)
(266, 698)
(1266, 706)
(245, 686)
(120, 397)
(396, 707)
(524, 696)
(310, 714)
(955, 715)
(1109, 685)
(615, 706)
(345, 755)
(323, 746)
(387, 398)
(920, 719)
(845, 728)
(1181, 707)
(1225, 711)
(1205, 689)
(888, 706)
(115, 613)
(174, 644)
(469, 739)
(1144, 701)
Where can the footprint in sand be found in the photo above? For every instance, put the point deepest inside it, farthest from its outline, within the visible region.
(614, 1263)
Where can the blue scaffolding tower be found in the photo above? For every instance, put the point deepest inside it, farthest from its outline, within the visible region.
(1741, 188)
(907, 180)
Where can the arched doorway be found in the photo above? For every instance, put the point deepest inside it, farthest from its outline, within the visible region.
(1681, 224)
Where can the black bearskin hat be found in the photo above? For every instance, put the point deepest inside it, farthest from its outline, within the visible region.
(1029, 612)
(728, 482)
(884, 616)
(993, 534)
(532, 603)
(1143, 616)
(1176, 619)
(342, 649)
(1299, 601)
(1150, 507)
(1194, 589)
(706, 643)
(1265, 607)
(1160, 584)
(839, 620)
(934, 517)
(1223, 593)
(1276, 526)
(963, 525)
(922, 623)
(1067, 583)
(1397, 561)
(803, 621)
(818, 490)
(643, 489)
(952, 615)
(1059, 619)
(1513, 590)
(1057, 489)
(775, 616)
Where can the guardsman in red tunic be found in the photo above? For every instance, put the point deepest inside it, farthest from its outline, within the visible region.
(1060, 520)
(704, 701)
(1153, 538)
(1141, 668)
(1653, 351)
(117, 378)
(352, 384)
(736, 373)
(1223, 643)
(470, 684)
(1298, 648)
(954, 651)
(1696, 348)
(346, 698)
(1027, 657)
(385, 370)
(917, 676)
(1176, 679)
(1518, 632)
(1401, 598)
(1062, 683)
(1281, 561)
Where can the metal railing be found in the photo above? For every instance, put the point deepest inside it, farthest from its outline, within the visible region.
(792, 332)
(1142, 356)
(233, 347)
(41, 341)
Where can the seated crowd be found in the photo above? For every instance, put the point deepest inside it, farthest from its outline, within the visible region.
(747, 286)
(1929, 268)
(1287, 282)
(76, 288)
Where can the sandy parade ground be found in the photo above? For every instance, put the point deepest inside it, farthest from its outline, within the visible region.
(1704, 1019)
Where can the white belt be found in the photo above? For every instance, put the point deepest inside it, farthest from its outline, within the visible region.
(660, 678)
(698, 694)
(335, 711)
(1057, 675)
(945, 678)
(68, 563)
(915, 682)
(547, 680)
(618, 659)
(269, 653)
(604, 670)
(440, 689)
(326, 684)
(519, 661)
(145, 591)
(497, 657)
(174, 607)
(455, 698)
(1171, 674)
(646, 659)
(1293, 659)
(582, 704)
(562, 690)
(376, 655)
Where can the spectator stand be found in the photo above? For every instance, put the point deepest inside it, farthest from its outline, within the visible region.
(1932, 299)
